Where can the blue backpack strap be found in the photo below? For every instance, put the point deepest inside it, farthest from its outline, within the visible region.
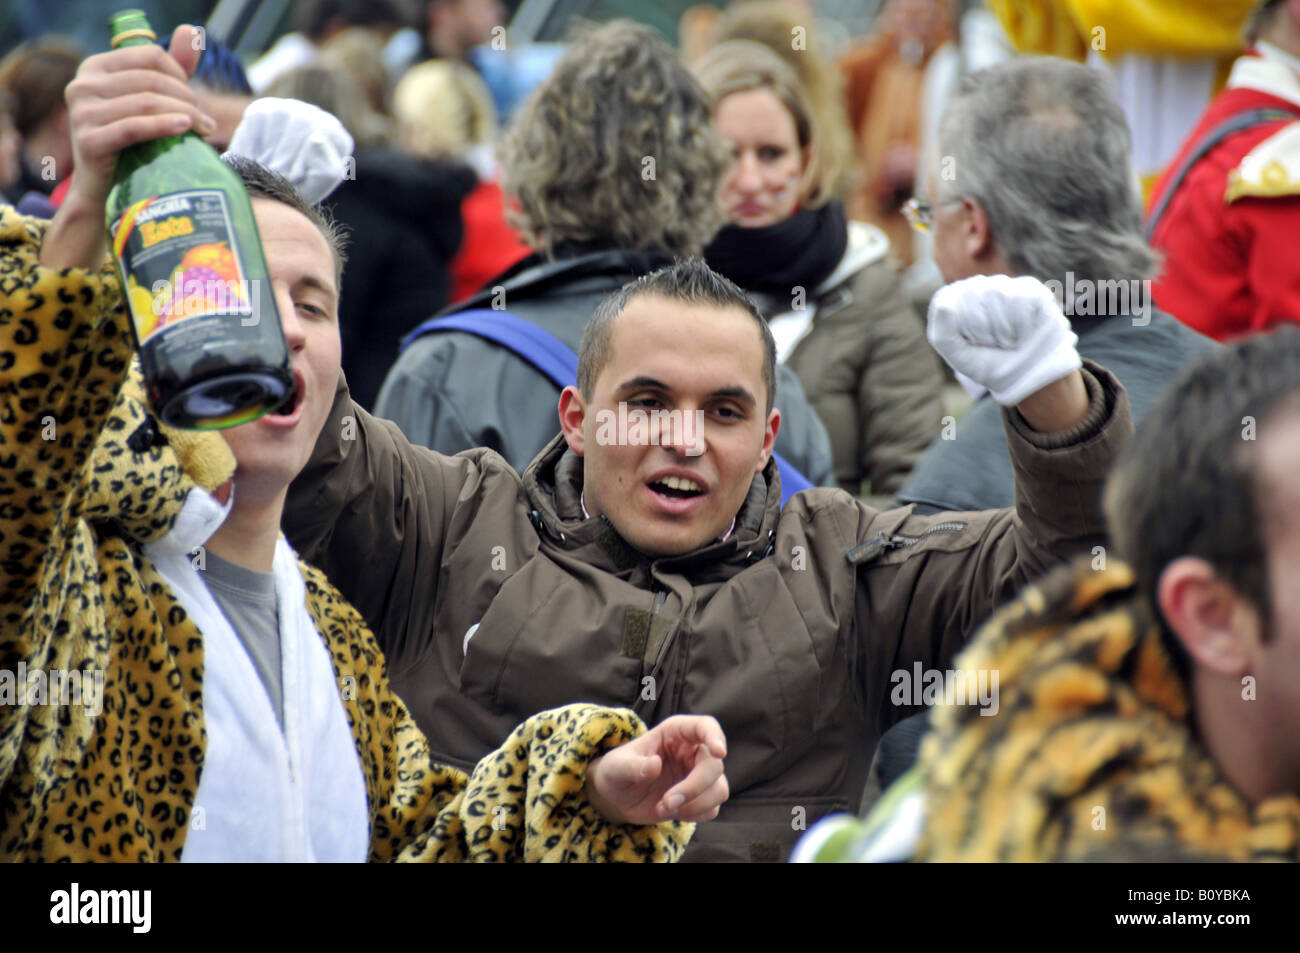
(555, 359)
(534, 344)
(792, 481)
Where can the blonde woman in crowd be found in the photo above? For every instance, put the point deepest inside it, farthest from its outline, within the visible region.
(444, 110)
(829, 287)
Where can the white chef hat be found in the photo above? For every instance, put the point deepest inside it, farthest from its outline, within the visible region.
(302, 142)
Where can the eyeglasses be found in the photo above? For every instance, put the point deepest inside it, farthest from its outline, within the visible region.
(920, 212)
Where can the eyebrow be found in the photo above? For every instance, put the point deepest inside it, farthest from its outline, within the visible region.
(311, 281)
(735, 392)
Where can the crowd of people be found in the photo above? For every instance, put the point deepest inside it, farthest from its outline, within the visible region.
(912, 588)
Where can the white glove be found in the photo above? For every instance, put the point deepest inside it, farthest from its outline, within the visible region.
(1002, 334)
(304, 143)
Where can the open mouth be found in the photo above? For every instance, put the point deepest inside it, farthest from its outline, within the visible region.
(677, 488)
(290, 405)
(289, 409)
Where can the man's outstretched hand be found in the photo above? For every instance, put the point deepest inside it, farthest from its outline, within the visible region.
(118, 99)
(672, 771)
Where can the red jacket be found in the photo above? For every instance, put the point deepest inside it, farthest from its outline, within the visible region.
(489, 247)
(1229, 241)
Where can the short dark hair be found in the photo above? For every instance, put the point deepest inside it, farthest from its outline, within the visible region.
(688, 280)
(262, 182)
(1187, 484)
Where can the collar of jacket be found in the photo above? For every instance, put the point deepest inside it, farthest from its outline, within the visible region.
(553, 486)
(536, 273)
(1106, 325)
(145, 470)
(1088, 324)
(867, 245)
(1267, 69)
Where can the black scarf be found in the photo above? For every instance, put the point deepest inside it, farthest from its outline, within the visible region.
(801, 250)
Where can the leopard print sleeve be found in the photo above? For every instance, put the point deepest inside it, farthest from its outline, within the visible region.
(63, 354)
(64, 351)
(526, 801)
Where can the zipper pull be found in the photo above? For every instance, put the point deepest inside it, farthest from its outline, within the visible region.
(874, 547)
(887, 541)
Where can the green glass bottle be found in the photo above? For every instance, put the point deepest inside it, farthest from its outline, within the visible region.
(181, 227)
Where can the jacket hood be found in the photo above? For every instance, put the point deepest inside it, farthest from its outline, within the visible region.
(1091, 738)
(553, 486)
(867, 245)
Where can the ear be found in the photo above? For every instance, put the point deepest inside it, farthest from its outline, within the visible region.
(977, 236)
(769, 439)
(1217, 626)
(573, 414)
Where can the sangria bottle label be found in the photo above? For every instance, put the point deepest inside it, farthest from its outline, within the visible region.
(180, 259)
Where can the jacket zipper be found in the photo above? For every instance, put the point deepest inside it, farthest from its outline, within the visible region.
(886, 542)
(661, 596)
(641, 704)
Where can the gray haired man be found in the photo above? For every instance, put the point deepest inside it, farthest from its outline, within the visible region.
(1034, 177)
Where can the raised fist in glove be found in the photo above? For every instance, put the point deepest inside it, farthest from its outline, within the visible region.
(1003, 335)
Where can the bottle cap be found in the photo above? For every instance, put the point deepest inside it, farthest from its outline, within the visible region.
(128, 25)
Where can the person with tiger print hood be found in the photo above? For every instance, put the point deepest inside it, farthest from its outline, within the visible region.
(1149, 698)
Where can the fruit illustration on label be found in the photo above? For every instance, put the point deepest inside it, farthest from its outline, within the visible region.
(207, 281)
(143, 308)
(216, 256)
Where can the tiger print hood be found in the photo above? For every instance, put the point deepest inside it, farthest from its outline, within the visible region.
(144, 471)
(1092, 748)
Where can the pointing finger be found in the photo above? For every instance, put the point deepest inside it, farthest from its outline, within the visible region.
(707, 770)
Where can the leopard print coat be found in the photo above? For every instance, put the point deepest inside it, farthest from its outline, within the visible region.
(86, 478)
(1092, 754)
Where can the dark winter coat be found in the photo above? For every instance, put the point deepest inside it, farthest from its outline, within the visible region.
(493, 598)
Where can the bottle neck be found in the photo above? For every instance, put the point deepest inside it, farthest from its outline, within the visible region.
(131, 29)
